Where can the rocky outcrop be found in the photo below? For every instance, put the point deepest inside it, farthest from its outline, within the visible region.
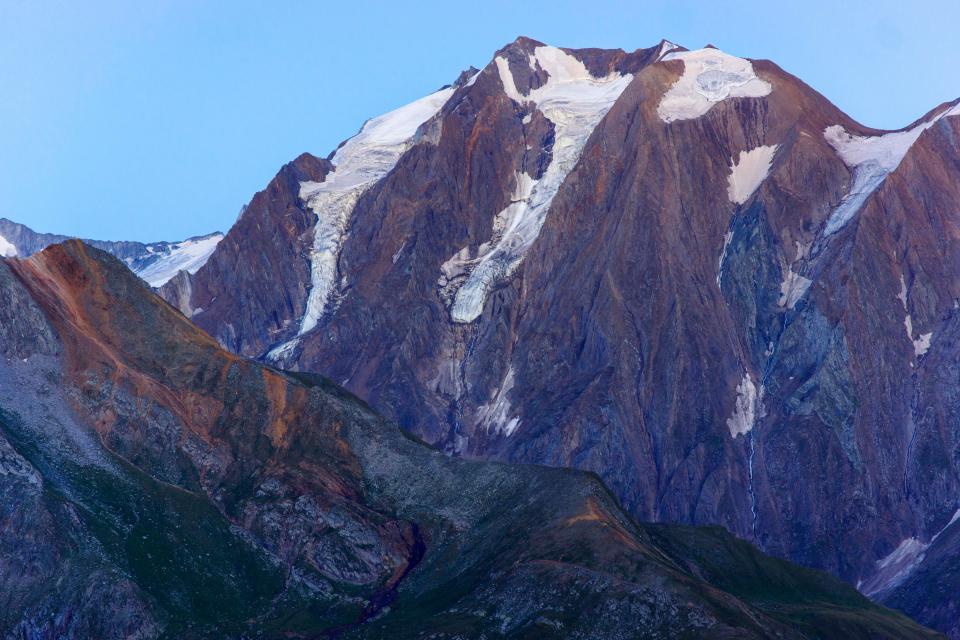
(155, 485)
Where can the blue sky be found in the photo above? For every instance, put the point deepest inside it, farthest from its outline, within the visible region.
(159, 120)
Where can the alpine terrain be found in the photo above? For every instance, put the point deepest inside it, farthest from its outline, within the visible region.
(684, 271)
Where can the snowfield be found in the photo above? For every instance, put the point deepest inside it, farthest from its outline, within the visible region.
(709, 76)
(873, 158)
(7, 250)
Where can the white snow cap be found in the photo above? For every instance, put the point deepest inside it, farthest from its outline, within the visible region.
(7, 249)
(873, 158)
(188, 256)
(709, 76)
(748, 172)
(574, 101)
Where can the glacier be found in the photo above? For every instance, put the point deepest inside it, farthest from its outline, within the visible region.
(358, 164)
(709, 76)
(574, 101)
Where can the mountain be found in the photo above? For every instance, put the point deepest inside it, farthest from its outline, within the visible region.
(154, 485)
(685, 271)
(156, 262)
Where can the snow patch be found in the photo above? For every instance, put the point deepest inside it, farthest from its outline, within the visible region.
(872, 158)
(188, 256)
(897, 566)
(665, 48)
(709, 76)
(7, 249)
(282, 351)
(495, 416)
(792, 289)
(748, 172)
(894, 568)
(396, 256)
(747, 408)
(574, 101)
(727, 237)
(359, 163)
(922, 343)
(956, 514)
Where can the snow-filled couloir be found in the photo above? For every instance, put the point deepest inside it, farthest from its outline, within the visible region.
(358, 164)
(574, 101)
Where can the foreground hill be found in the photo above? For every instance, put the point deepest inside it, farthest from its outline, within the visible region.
(154, 485)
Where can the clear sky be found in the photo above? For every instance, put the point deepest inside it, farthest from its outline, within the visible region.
(158, 120)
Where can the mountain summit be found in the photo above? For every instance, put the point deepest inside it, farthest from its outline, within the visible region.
(683, 270)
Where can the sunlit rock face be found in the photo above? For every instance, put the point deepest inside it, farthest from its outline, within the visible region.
(683, 270)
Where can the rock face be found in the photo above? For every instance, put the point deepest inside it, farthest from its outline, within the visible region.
(156, 262)
(154, 485)
(268, 251)
(684, 271)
